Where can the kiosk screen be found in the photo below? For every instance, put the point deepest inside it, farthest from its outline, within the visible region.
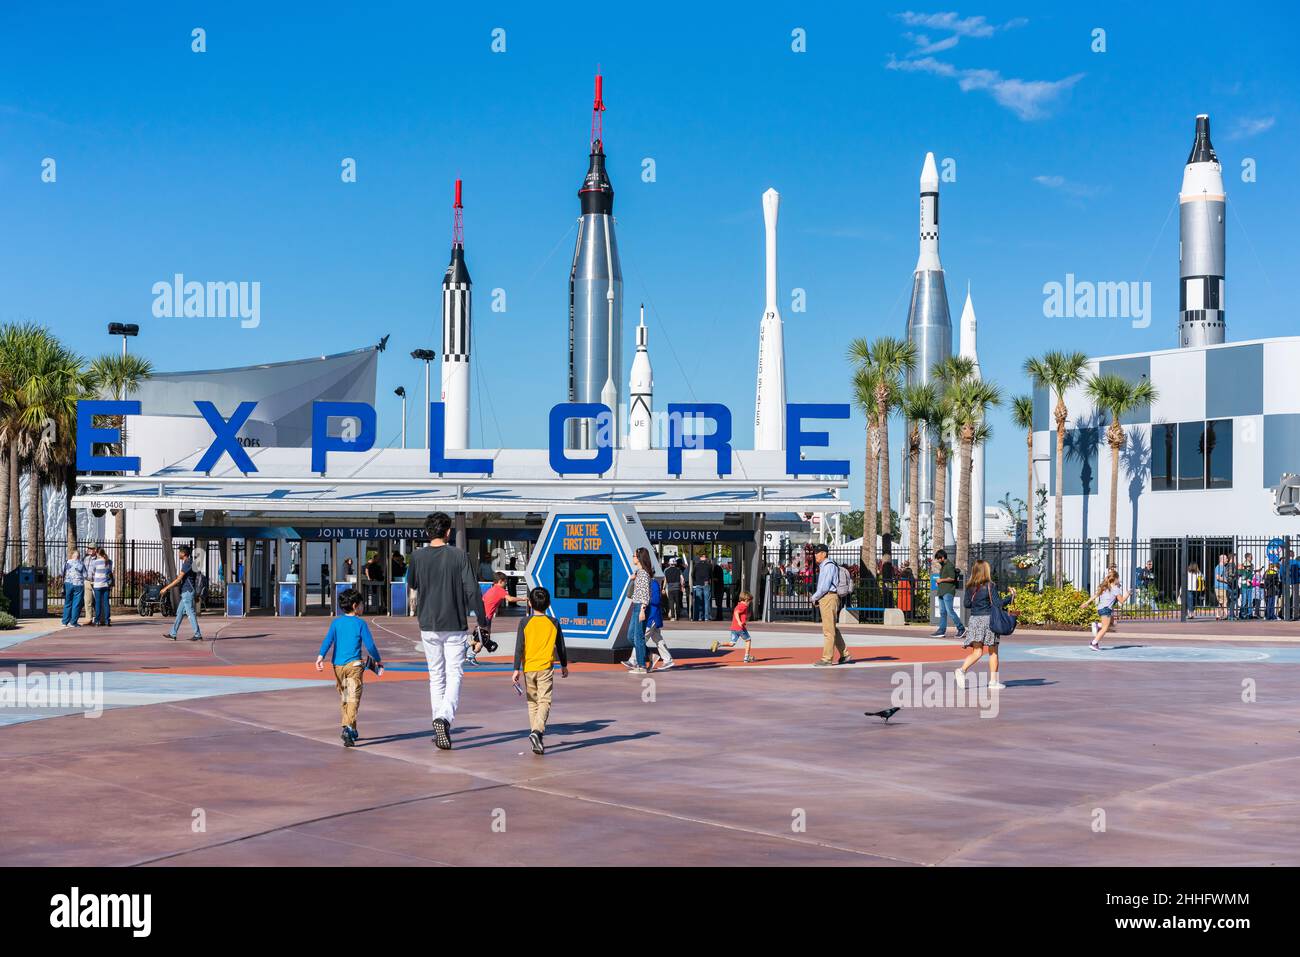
(584, 577)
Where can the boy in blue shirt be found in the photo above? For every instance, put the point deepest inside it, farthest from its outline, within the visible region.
(347, 634)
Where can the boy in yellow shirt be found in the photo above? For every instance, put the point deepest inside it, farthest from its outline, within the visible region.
(539, 643)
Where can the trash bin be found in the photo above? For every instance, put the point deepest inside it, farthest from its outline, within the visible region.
(26, 589)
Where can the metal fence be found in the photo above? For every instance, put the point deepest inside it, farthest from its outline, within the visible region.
(136, 565)
(1168, 578)
(792, 579)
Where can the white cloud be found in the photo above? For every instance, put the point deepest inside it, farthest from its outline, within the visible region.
(954, 25)
(1028, 99)
(1070, 188)
(1248, 126)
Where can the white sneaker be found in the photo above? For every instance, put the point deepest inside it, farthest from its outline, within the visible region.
(996, 686)
(630, 664)
(961, 678)
(665, 665)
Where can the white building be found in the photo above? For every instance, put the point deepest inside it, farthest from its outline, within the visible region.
(171, 428)
(1200, 461)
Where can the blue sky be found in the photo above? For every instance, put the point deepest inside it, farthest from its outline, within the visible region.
(225, 165)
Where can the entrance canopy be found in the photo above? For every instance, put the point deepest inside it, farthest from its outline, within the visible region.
(398, 481)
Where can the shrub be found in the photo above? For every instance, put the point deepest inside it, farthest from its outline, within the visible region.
(1053, 606)
(7, 621)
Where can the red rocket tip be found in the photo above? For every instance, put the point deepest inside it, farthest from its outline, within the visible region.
(597, 108)
(457, 203)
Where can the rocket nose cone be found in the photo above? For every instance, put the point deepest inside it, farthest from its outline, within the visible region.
(596, 194)
(929, 173)
(1202, 148)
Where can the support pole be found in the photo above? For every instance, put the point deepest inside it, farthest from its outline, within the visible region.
(754, 585)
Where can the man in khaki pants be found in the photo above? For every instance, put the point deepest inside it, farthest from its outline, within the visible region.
(827, 600)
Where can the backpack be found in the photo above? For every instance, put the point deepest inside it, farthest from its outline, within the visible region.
(843, 580)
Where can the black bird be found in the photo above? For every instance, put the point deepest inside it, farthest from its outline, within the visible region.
(886, 714)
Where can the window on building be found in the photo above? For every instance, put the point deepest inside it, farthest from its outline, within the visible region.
(1191, 455)
(1164, 457)
(1218, 454)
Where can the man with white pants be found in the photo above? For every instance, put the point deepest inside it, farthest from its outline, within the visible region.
(447, 591)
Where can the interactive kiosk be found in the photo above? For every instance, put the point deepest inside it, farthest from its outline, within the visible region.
(584, 559)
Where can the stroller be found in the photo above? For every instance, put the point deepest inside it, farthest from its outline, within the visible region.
(152, 600)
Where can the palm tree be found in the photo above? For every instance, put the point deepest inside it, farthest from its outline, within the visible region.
(969, 401)
(892, 359)
(1058, 372)
(119, 375)
(864, 397)
(948, 375)
(1022, 414)
(941, 436)
(917, 404)
(1119, 397)
(50, 383)
(14, 346)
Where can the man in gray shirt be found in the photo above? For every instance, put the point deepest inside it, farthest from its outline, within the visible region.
(447, 591)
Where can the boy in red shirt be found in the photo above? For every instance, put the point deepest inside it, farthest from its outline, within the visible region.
(492, 599)
(739, 621)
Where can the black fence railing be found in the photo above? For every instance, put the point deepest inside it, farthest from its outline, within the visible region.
(792, 580)
(1168, 578)
(136, 565)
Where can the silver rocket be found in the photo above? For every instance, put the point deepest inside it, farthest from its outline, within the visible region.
(641, 385)
(930, 330)
(968, 350)
(769, 393)
(456, 297)
(1201, 244)
(595, 296)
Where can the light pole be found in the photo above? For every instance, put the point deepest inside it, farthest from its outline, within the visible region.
(124, 329)
(426, 356)
(400, 392)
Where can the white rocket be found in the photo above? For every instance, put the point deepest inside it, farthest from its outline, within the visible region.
(968, 351)
(456, 297)
(641, 386)
(769, 394)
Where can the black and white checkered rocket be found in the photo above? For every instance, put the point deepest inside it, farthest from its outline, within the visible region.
(456, 297)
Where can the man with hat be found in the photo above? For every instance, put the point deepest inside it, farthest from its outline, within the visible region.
(827, 600)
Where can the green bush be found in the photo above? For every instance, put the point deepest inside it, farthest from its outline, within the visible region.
(1053, 606)
(7, 621)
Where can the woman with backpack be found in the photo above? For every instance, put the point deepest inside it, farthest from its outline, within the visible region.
(981, 601)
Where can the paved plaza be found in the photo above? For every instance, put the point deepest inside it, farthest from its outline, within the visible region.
(1177, 745)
